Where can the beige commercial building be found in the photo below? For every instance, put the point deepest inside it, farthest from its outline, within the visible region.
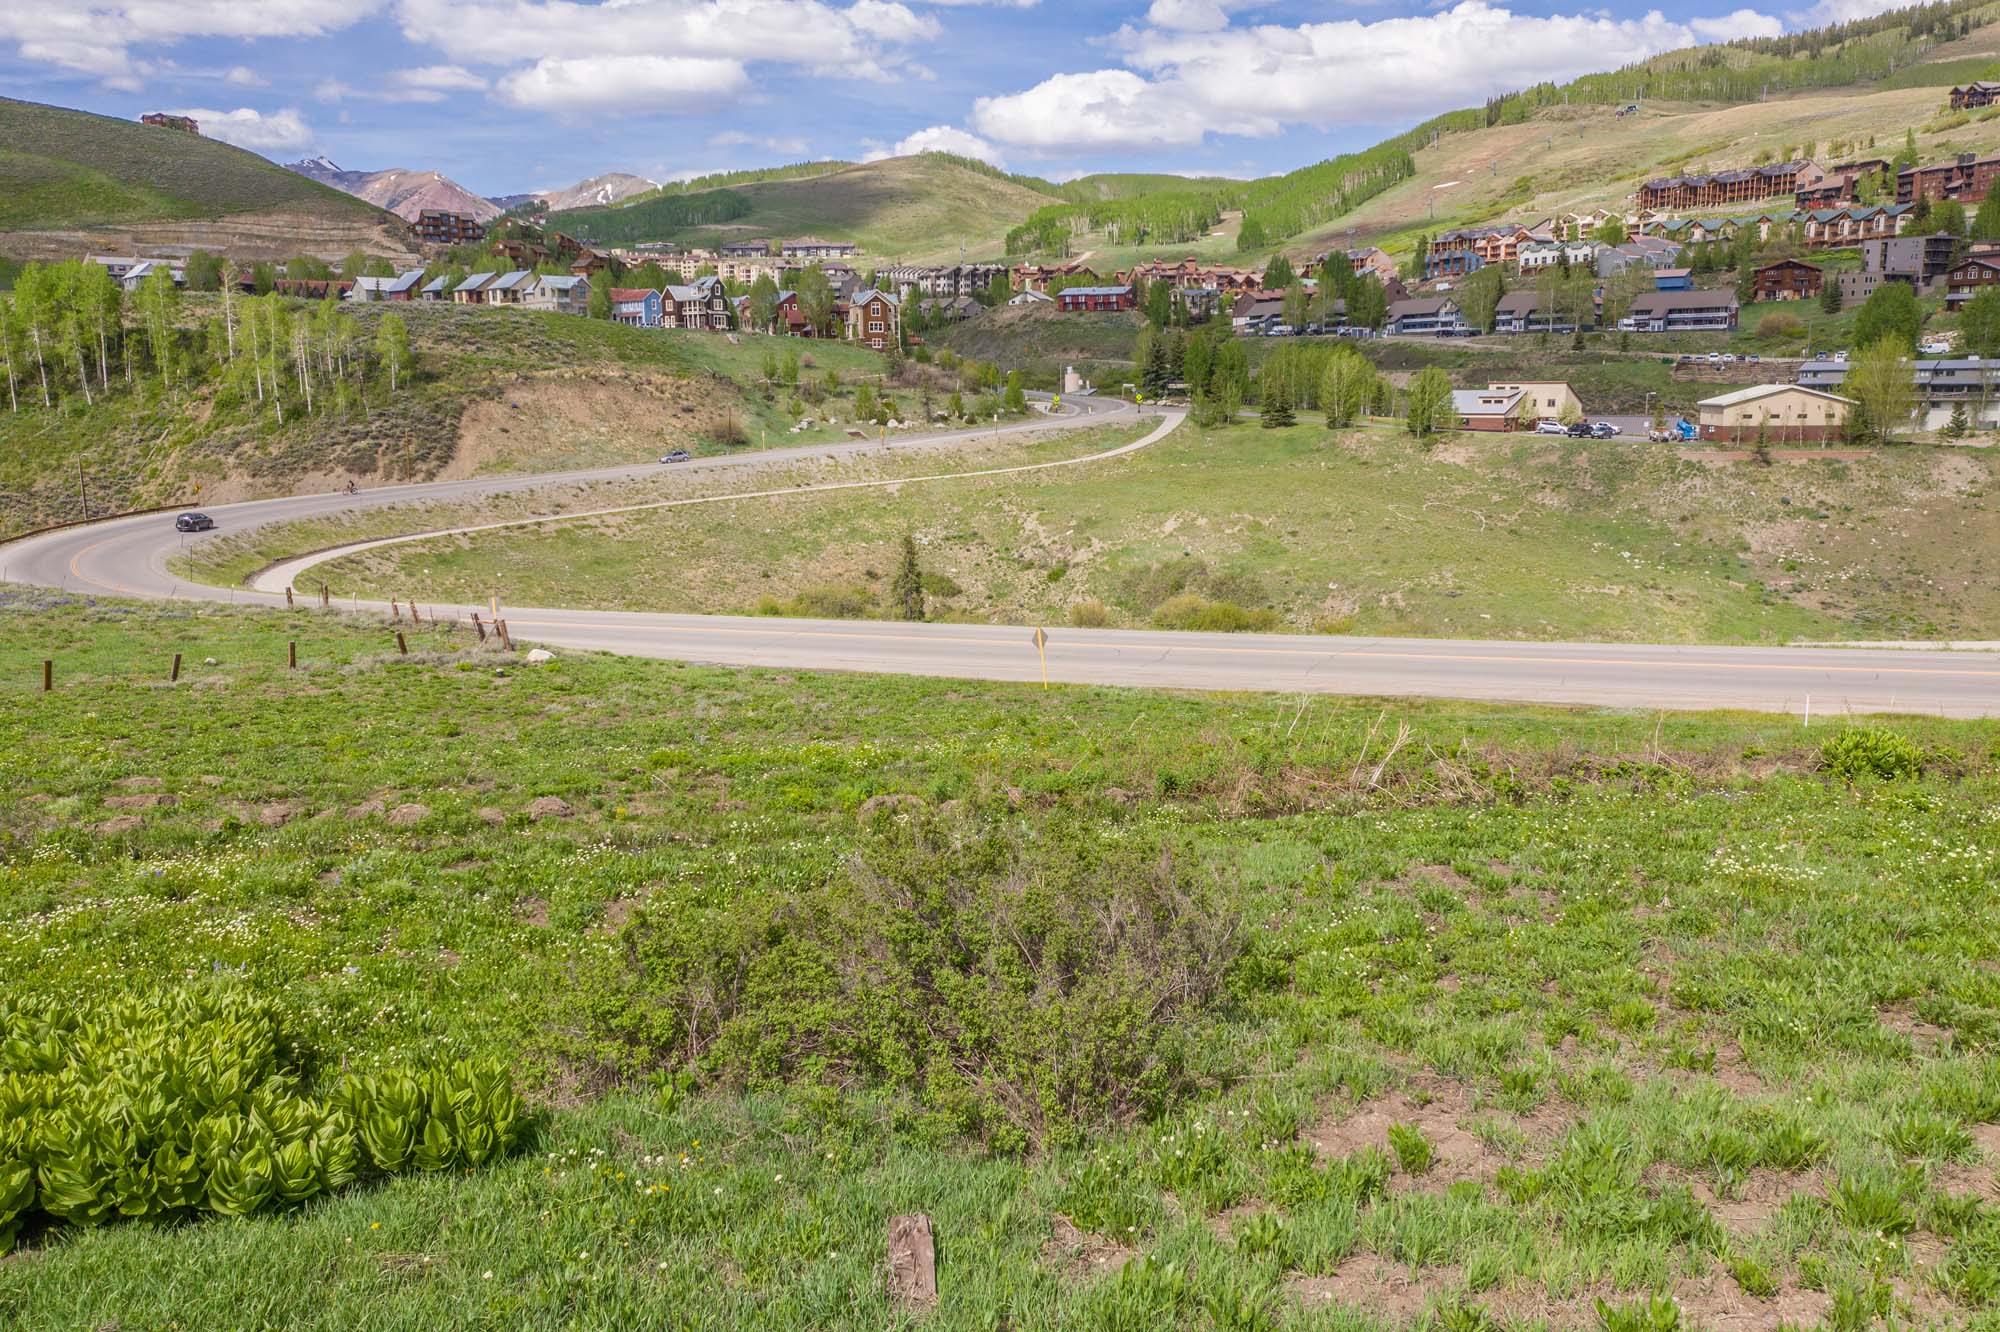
(1780, 413)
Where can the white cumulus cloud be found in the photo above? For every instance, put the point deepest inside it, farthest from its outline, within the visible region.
(1735, 26)
(940, 139)
(260, 131)
(1180, 85)
(98, 37)
(627, 84)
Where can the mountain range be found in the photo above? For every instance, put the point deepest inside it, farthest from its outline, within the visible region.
(406, 193)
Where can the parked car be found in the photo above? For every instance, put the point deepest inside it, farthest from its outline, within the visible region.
(1715, 358)
(1753, 358)
(678, 455)
(193, 522)
(1581, 430)
(1936, 347)
(1603, 430)
(1551, 428)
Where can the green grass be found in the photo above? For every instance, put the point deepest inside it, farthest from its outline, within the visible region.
(1365, 532)
(1679, 1015)
(63, 168)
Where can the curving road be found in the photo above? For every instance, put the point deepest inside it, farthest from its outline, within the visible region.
(128, 557)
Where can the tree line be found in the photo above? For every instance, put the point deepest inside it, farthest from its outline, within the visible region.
(70, 331)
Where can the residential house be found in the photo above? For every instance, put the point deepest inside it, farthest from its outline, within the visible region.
(1434, 316)
(701, 304)
(1531, 311)
(1191, 273)
(402, 287)
(812, 247)
(1370, 259)
(1673, 279)
(510, 288)
(1640, 251)
(437, 289)
(949, 309)
(1681, 312)
(789, 317)
(1493, 409)
(1828, 228)
(1974, 95)
(1546, 399)
(142, 270)
(1534, 256)
(1917, 260)
(755, 249)
(590, 264)
(118, 265)
(1786, 280)
(874, 318)
(637, 306)
(565, 293)
(1970, 276)
(472, 291)
(1941, 384)
(1257, 314)
(1775, 414)
(1198, 305)
(161, 120)
(1728, 187)
(1031, 298)
(1038, 277)
(747, 271)
(1077, 300)
(1965, 177)
(1469, 249)
(1842, 184)
(435, 226)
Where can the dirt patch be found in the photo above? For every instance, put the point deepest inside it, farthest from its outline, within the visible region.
(1444, 875)
(124, 823)
(549, 807)
(1079, 1256)
(140, 784)
(367, 809)
(1903, 1020)
(535, 911)
(1441, 1109)
(277, 815)
(1751, 1203)
(617, 914)
(151, 801)
(1365, 1281)
(571, 421)
(1719, 1304)
(406, 816)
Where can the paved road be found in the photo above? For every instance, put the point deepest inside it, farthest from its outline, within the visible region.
(128, 557)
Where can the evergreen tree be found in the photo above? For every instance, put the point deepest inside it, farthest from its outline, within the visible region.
(1278, 274)
(1829, 293)
(1277, 407)
(906, 591)
(1957, 426)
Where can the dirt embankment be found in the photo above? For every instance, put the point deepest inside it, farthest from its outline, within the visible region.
(582, 420)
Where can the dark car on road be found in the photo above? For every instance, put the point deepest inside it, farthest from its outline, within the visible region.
(193, 522)
(678, 455)
(1582, 430)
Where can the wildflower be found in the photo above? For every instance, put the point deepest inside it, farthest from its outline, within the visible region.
(486, 1276)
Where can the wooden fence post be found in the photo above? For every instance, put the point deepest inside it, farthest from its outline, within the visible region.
(48, 675)
(395, 611)
(292, 655)
(401, 646)
(479, 626)
(506, 639)
(174, 676)
(325, 597)
(912, 1262)
(288, 598)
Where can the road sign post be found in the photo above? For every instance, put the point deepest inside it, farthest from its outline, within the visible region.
(1041, 641)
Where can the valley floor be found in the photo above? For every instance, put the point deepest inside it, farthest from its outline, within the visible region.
(1446, 1015)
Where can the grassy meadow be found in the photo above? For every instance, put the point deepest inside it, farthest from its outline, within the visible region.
(1361, 531)
(1171, 1011)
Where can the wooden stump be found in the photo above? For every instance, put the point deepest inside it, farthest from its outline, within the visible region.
(912, 1262)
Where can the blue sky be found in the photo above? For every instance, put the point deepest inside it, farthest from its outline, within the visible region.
(516, 95)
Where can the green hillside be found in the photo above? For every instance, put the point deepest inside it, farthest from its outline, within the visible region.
(64, 168)
(921, 207)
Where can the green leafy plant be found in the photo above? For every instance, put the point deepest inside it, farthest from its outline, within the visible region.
(1754, 1277)
(1873, 1200)
(158, 1106)
(1921, 1136)
(1870, 751)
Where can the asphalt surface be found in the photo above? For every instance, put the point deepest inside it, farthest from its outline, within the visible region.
(128, 557)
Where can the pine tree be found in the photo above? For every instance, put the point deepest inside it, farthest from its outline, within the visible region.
(906, 592)
(1957, 426)
(1278, 407)
(1829, 294)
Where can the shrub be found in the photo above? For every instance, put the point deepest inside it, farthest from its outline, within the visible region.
(1780, 325)
(821, 603)
(1091, 614)
(1659, 1314)
(727, 433)
(1189, 611)
(1414, 1152)
(1021, 991)
(162, 1106)
(1870, 751)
